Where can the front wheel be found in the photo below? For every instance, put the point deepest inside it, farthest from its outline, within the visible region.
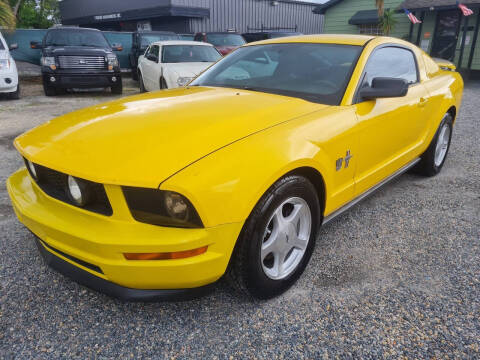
(434, 158)
(163, 83)
(277, 240)
(49, 90)
(117, 88)
(16, 94)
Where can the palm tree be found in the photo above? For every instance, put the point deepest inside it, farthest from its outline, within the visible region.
(388, 21)
(380, 7)
(7, 18)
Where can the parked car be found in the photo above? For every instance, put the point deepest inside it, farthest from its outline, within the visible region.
(225, 42)
(9, 83)
(187, 37)
(265, 35)
(170, 64)
(159, 195)
(141, 40)
(78, 58)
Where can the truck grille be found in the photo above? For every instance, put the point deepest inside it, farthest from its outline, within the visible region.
(82, 62)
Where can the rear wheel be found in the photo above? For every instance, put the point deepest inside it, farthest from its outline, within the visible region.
(434, 158)
(141, 83)
(277, 240)
(163, 84)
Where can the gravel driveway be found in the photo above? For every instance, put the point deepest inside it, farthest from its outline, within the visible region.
(398, 275)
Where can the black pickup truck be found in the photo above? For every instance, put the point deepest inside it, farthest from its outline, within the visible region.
(141, 40)
(78, 58)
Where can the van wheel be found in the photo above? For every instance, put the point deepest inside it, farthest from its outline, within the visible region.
(434, 158)
(16, 94)
(49, 90)
(277, 240)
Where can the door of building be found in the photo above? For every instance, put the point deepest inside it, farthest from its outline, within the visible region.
(446, 34)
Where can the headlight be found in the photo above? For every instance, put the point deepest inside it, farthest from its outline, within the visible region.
(183, 81)
(112, 61)
(48, 61)
(78, 191)
(162, 208)
(31, 169)
(4, 64)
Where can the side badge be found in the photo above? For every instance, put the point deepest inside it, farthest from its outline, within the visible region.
(339, 162)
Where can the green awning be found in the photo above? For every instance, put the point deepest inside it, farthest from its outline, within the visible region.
(364, 17)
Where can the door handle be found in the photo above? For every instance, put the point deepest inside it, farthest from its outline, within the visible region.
(423, 102)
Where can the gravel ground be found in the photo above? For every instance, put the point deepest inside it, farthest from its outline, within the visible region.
(397, 276)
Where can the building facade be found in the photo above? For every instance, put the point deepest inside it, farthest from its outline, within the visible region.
(444, 31)
(191, 16)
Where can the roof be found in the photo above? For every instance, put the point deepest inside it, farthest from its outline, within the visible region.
(180, 42)
(342, 39)
(364, 17)
(435, 4)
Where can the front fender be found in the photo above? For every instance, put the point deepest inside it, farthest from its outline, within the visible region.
(225, 186)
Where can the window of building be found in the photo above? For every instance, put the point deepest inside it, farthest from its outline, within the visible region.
(370, 29)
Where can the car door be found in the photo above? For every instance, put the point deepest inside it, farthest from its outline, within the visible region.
(151, 68)
(390, 130)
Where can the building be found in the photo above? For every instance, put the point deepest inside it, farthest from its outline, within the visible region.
(444, 31)
(190, 16)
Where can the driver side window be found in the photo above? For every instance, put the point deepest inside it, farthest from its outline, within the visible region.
(391, 62)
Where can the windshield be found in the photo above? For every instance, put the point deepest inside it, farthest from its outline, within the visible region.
(187, 37)
(314, 72)
(76, 37)
(189, 53)
(225, 39)
(146, 40)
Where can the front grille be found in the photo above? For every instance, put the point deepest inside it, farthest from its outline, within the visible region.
(54, 184)
(82, 62)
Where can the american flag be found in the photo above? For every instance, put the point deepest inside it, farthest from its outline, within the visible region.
(465, 10)
(412, 17)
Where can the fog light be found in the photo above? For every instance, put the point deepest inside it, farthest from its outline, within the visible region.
(114, 78)
(78, 191)
(176, 206)
(31, 169)
(8, 80)
(165, 256)
(52, 79)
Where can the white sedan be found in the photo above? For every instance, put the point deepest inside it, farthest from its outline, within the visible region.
(8, 71)
(171, 64)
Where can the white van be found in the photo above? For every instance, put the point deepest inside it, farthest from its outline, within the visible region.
(8, 71)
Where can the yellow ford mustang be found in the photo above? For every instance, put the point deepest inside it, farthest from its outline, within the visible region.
(161, 194)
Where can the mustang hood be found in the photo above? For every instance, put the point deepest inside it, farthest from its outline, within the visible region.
(142, 140)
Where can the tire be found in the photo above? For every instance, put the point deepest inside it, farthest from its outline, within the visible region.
(134, 75)
(118, 88)
(49, 90)
(252, 268)
(433, 159)
(163, 84)
(141, 83)
(16, 94)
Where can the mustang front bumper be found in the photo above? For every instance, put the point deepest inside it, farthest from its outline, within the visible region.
(89, 247)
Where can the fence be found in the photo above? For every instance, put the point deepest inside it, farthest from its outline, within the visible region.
(22, 37)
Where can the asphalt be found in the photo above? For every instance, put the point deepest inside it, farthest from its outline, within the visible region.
(396, 276)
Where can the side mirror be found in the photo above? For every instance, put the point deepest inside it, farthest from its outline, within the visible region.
(36, 45)
(385, 88)
(152, 57)
(13, 47)
(117, 47)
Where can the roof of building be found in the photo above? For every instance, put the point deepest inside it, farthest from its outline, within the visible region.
(409, 4)
(341, 39)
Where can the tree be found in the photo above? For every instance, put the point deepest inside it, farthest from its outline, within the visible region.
(388, 21)
(36, 14)
(7, 18)
(380, 7)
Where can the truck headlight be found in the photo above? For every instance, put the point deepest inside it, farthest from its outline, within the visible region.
(4, 64)
(112, 61)
(183, 81)
(162, 208)
(48, 61)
